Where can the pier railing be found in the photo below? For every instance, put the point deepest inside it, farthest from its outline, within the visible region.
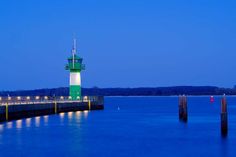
(13, 100)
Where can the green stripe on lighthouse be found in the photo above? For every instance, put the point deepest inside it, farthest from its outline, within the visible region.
(75, 92)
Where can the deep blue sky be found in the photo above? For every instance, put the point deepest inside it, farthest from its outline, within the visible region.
(124, 43)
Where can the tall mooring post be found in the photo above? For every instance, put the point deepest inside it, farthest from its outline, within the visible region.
(183, 112)
(75, 66)
(181, 107)
(224, 117)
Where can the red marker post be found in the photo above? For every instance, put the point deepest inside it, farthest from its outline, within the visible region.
(212, 99)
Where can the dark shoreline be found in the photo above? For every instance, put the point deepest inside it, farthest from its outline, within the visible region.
(144, 91)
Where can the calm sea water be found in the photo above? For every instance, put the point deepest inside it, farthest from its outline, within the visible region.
(129, 126)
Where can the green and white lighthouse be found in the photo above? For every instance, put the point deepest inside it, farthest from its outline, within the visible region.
(75, 66)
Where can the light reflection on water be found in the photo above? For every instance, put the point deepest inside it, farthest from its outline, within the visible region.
(45, 120)
(19, 124)
(41, 121)
(28, 122)
(9, 125)
(78, 114)
(85, 113)
(70, 115)
(37, 121)
(1, 127)
(62, 115)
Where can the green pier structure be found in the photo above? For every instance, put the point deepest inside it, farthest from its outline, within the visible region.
(75, 66)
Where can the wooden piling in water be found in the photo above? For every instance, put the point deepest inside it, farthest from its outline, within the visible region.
(183, 112)
(224, 117)
(180, 107)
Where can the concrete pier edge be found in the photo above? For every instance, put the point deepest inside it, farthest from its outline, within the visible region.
(20, 111)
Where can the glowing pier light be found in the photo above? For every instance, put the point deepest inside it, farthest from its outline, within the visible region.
(28, 98)
(18, 98)
(69, 97)
(85, 98)
(46, 98)
(9, 98)
(0, 98)
(37, 97)
(62, 97)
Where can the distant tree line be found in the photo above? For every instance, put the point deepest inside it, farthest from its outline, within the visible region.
(158, 91)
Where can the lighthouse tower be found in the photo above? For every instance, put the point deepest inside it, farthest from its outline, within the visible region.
(75, 66)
